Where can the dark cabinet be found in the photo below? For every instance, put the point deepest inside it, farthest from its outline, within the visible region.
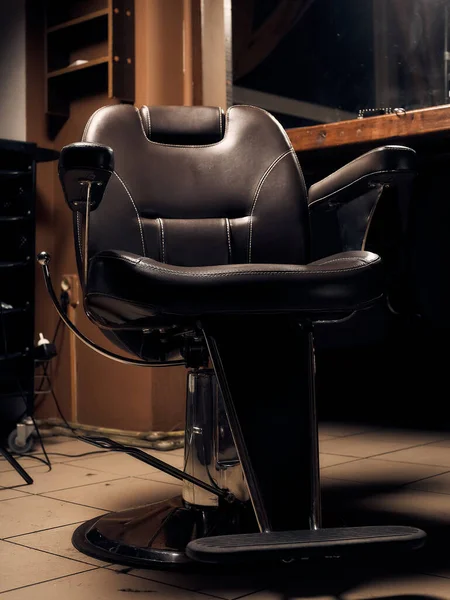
(17, 276)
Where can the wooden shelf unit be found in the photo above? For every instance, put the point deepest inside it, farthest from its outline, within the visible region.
(96, 14)
(72, 68)
(101, 34)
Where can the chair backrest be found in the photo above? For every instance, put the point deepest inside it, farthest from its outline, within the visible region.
(194, 187)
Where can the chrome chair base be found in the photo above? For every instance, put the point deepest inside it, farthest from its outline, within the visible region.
(156, 535)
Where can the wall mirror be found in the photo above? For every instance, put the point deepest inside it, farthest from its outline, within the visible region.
(313, 62)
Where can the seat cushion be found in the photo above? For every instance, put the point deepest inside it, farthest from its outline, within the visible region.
(125, 290)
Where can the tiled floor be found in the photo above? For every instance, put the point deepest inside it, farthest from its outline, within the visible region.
(369, 476)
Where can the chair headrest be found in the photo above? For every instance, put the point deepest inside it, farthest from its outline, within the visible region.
(183, 125)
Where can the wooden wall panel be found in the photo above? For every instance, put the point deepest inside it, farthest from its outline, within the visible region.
(159, 52)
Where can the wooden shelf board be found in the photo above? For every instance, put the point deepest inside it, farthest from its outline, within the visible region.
(71, 69)
(371, 129)
(85, 18)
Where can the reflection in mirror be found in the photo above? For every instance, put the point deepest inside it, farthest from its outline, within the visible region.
(320, 61)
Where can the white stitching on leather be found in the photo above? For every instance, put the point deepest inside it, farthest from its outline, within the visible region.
(347, 186)
(326, 262)
(256, 273)
(149, 123)
(163, 244)
(141, 231)
(227, 223)
(220, 121)
(288, 140)
(79, 233)
(257, 191)
(138, 262)
(300, 172)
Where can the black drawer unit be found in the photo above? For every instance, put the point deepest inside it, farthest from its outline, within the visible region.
(17, 277)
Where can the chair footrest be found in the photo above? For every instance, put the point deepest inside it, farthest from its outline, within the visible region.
(286, 545)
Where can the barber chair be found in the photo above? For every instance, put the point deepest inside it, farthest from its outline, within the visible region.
(192, 239)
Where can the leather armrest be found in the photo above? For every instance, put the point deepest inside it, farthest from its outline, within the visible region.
(387, 164)
(85, 162)
(86, 156)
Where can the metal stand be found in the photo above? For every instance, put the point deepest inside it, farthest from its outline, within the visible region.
(265, 368)
(13, 462)
(267, 381)
(156, 535)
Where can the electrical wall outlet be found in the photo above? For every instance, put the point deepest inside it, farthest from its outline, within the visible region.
(71, 285)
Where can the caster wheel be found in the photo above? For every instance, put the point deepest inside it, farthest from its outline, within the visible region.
(16, 448)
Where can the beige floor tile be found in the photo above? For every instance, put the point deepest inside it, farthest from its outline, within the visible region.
(410, 587)
(280, 595)
(410, 503)
(231, 592)
(116, 463)
(343, 484)
(325, 436)
(60, 444)
(65, 445)
(5, 467)
(406, 587)
(21, 566)
(10, 493)
(62, 476)
(21, 514)
(56, 541)
(430, 454)
(178, 452)
(439, 484)
(34, 513)
(442, 443)
(176, 460)
(102, 584)
(162, 477)
(118, 495)
(370, 470)
(328, 460)
(373, 443)
(230, 587)
(335, 430)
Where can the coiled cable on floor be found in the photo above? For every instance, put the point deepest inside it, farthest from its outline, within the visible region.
(155, 440)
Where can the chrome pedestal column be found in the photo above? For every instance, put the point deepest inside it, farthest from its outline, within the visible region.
(156, 535)
(210, 453)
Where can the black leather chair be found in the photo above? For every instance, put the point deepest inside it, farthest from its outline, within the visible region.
(193, 245)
